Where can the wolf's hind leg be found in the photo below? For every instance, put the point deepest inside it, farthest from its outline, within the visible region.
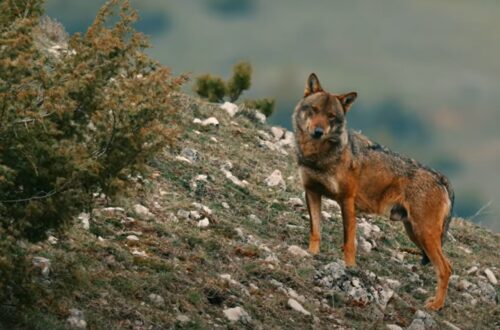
(431, 244)
(409, 230)
(400, 213)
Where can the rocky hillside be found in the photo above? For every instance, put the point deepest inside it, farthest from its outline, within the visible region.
(215, 237)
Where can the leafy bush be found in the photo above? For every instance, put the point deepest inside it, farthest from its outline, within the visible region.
(215, 89)
(75, 119)
(211, 88)
(240, 81)
(266, 106)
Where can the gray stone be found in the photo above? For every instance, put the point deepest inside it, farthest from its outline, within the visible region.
(76, 319)
(237, 314)
(487, 291)
(203, 223)
(156, 300)
(84, 219)
(451, 325)
(182, 318)
(297, 251)
(278, 132)
(183, 214)
(230, 108)
(491, 277)
(416, 324)
(295, 305)
(190, 154)
(142, 212)
(43, 264)
(275, 179)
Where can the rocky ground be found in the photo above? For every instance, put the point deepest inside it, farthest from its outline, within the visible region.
(215, 237)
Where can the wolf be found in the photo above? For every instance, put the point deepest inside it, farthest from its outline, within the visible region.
(363, 176)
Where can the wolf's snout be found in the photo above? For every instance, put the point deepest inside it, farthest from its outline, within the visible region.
(318, 132)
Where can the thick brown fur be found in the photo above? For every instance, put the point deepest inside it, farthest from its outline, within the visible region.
(364, 176)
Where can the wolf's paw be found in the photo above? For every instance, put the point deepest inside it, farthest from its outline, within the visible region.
(433, 304)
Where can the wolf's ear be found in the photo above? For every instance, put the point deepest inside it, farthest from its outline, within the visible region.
(312, 85)
(347, 99)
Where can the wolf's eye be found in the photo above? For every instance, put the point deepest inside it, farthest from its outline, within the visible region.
(331, 116)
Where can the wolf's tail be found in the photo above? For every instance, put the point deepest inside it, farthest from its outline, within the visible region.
(451, 195)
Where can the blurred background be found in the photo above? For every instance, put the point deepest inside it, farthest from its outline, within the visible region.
(427, 72)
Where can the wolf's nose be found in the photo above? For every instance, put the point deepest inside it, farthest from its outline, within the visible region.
(318, 132)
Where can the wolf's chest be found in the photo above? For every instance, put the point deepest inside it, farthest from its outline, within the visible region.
(325, 183)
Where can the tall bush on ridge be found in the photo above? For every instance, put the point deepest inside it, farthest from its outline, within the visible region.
(214, 89)
(75, 122)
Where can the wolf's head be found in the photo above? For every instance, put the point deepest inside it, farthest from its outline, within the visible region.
(320, 115)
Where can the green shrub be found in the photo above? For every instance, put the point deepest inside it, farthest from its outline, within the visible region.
(266, 106)
(215, 89)
(211, 88)
(240, 81)
(75, 119)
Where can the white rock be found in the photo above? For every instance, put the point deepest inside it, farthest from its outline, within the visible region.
(272, 259)
(466, 250)
(226, 277)
(278, 132)
(84, 220)
(76, 319)
(231, 108)
(236, 314)
(52, 240)
(275, 179)
(263, 135)
(472, 270)
(393, 284)
(234, 179)
(297, 251)
(287, 141)
(182, 318)
(463, 285)
(213, 139)
(209, 121)
(293, 294)
(364, 246)
(260, 116)
(491, 277)
(156, 299)
(202, 207)
(365, 229)
(450, 325)
(331, 204)
(393, 327)
(326, 215)
(296, 202)
(43, 264)
(132, 238)
(142, 212)
(195, 215)
(294, 304)
(139, 253)
(183, 214)
(113, 211)
(416, 324)
(183, 159)
(203, 223)
(225, 205)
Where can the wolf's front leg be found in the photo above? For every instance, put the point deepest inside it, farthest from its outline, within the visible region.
(349, 221)
(313, 200)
